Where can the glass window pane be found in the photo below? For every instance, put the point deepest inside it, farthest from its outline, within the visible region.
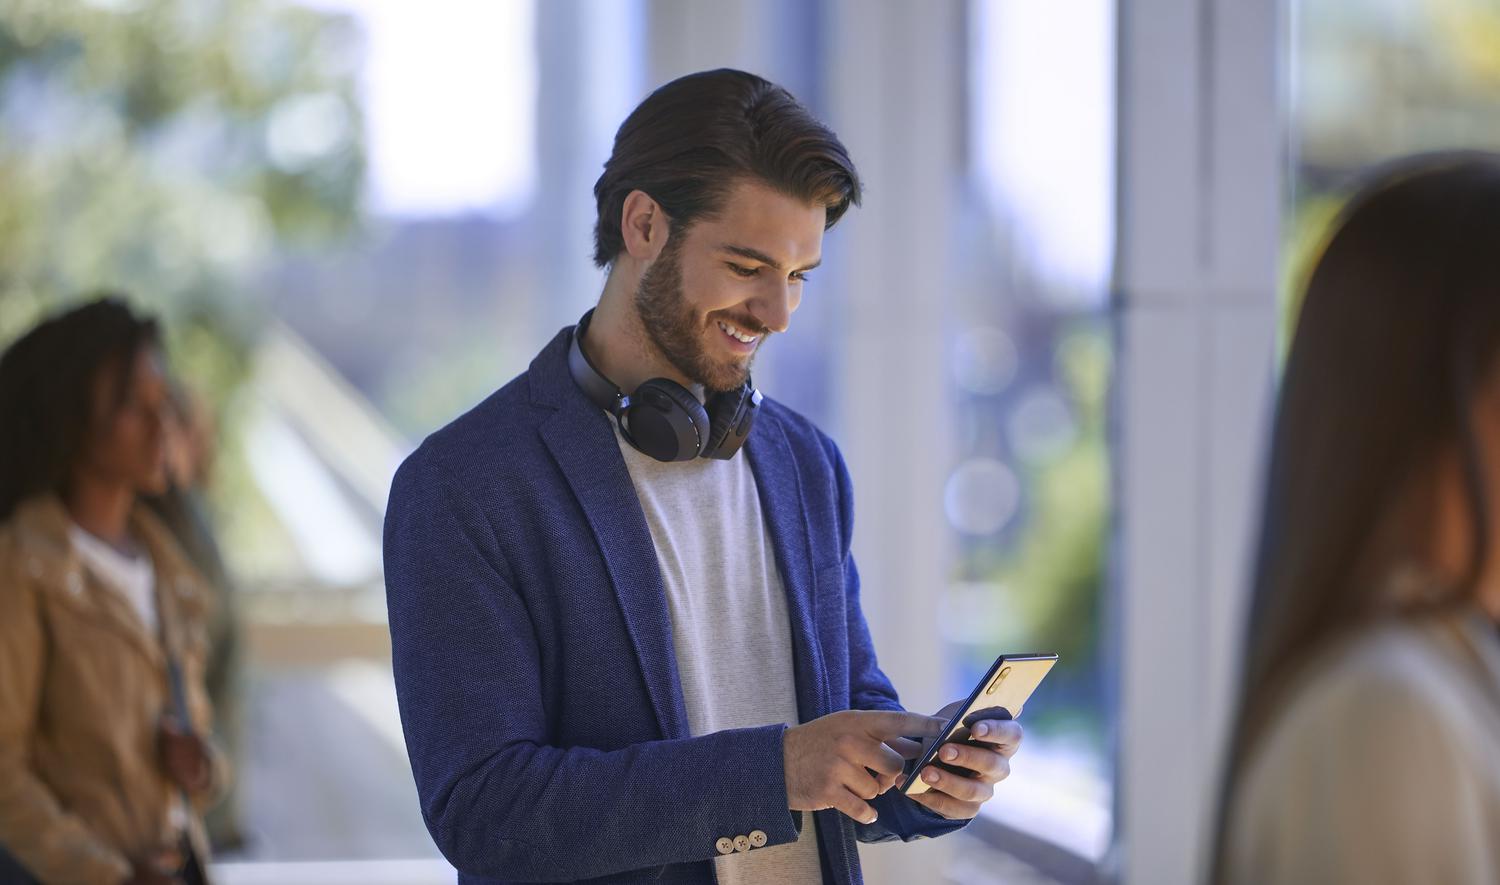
(1030, 346)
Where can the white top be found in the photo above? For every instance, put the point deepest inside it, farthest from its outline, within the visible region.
(1383, 765)
(730, 629)
(134, 577)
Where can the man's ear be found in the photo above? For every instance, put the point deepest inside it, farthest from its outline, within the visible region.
(643, 225)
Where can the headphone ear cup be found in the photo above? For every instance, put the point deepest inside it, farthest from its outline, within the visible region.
(732, 413)
(666, 421)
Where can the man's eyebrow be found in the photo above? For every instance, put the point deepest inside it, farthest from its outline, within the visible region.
(763, 258)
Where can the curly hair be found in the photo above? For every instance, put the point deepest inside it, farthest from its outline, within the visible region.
(47, 391)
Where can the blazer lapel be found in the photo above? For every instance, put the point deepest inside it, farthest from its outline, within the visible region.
(583, 444)
(774, 465)
(580, 439)
(44, 526)
(176, 583)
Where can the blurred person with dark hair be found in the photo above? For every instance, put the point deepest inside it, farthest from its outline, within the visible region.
(190, 449)
(624, 652)
(1367, 748)
(105, 766)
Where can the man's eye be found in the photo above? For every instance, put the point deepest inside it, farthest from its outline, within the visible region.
(800, 275)
(746, 272)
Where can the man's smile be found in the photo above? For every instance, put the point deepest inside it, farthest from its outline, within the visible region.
(737, 338)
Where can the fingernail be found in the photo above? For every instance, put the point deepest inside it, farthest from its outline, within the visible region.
(873, 818)
(950, 754)
(931, 777)
(981, 729)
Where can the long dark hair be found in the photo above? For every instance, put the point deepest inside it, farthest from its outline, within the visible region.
(47, 390)
(1398, 330)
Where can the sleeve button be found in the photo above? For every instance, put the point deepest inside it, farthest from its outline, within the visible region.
(757, 838)
(741, 843)
(725, 845)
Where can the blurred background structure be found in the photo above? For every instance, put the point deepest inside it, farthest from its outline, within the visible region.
(1046, 342)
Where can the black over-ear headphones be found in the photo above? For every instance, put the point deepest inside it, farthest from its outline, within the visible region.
(662, 418)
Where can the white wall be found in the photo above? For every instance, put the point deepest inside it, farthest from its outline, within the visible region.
(1201, 178)
(895, 98)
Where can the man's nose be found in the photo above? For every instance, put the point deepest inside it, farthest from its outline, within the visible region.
(773, 307)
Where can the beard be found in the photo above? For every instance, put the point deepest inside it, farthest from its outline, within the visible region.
(673, 327)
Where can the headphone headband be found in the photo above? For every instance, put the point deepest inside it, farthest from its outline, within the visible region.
(663, 419)
(600, 390)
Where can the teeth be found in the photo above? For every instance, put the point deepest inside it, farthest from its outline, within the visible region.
(736, 334)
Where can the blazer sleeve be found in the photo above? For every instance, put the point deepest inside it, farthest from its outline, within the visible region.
(498, 799)
(53, 844)
(898, 817)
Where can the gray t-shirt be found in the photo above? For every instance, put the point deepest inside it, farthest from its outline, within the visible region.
(729, 622)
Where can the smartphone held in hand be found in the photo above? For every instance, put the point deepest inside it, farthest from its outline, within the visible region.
(1001, 694)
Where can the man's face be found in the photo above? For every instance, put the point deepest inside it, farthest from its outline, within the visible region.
(717, 290)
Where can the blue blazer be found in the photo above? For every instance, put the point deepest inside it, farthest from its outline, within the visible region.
(533, 650)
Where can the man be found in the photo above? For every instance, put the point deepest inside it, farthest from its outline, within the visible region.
(617, 660)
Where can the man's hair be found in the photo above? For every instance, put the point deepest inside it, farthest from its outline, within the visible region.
(696, 137)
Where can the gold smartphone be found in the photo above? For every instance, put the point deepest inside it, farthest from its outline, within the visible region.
(1007, 686)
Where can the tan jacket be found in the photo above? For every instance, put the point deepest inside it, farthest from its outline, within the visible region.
(83, 687)
(1383, 767)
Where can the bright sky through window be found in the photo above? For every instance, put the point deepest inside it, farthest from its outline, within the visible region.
(1042, 100)
(450, 96)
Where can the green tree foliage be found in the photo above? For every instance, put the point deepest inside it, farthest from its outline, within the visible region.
(1378, 81)
(1053, 573)
(165, 148)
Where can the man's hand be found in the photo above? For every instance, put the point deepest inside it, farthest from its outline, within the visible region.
(184, 757)
(958, 796)
(844, 759)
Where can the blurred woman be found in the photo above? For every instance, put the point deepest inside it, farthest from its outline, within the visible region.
(190, 443)
(104, 764)
(1368, 742)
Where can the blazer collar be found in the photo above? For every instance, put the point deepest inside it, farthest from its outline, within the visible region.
(42, 524)
(548, 377)
(582, 442)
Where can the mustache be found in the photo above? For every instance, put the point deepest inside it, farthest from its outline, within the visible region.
(751, 326)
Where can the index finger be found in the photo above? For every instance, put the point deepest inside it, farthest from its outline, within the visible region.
(1003, 735)
(885, 724)
(907, 748)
